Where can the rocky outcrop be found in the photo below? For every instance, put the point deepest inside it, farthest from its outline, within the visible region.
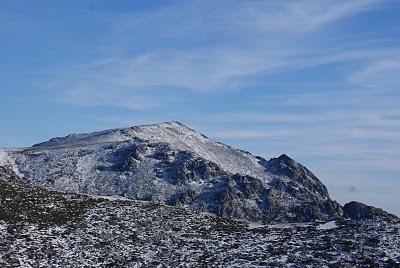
(359, 211)
(7, 175)
(287, 168)
(307, 196)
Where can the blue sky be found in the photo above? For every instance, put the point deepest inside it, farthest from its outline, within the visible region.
(317, 80)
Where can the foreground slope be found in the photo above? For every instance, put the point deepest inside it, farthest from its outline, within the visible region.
(173, 164)
(43, 228)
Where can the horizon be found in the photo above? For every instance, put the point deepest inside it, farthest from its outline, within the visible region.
(315, 80)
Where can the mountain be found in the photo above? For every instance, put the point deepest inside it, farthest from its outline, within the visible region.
(44, 228)
(172, 164)
(142, 197)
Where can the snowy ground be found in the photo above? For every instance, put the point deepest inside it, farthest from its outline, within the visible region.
(42, 228)
(327, 226)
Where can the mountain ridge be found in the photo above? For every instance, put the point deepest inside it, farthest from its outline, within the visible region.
(173, 164)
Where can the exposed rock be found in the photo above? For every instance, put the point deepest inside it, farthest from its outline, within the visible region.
(285, 167)
(359, 211)
(294, 183)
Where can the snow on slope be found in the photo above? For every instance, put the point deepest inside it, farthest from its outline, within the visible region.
(178, 136)
(3, 158)
(327, 226)
(173, 164)
(185, 138)
(6, 160)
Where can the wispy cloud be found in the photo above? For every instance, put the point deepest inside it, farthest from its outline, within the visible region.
(299, 16)
(230, 43)
(251, 134)
(382, 73)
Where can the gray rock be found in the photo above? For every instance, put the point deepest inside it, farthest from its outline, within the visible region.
(359, 211)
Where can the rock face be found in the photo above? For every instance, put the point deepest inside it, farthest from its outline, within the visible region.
(359, 211)
(173, 164)
(292, 181)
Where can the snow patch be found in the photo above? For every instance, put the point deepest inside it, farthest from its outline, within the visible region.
(4, 158)
(327, 226)
(111, 198)
(7, 161)
(255, 225)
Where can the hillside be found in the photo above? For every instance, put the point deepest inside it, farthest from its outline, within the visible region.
(39, 227)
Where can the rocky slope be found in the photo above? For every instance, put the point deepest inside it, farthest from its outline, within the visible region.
(44, 228)
(173, 164)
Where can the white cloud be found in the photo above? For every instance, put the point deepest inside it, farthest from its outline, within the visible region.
(251, 134)
(298, 16)
(382, 74)
(230, 42)
(252, 117)
(86, 96)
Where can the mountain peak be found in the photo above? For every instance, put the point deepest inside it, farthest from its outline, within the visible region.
(168, 124)
(118, 135)
(175, 123)
(285, 157)
(172, 123)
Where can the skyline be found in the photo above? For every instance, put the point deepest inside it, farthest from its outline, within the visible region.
(316, 80)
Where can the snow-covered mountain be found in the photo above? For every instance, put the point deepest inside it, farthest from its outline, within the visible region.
(173, 164)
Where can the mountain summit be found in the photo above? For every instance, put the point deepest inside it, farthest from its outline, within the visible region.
(173, 164)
